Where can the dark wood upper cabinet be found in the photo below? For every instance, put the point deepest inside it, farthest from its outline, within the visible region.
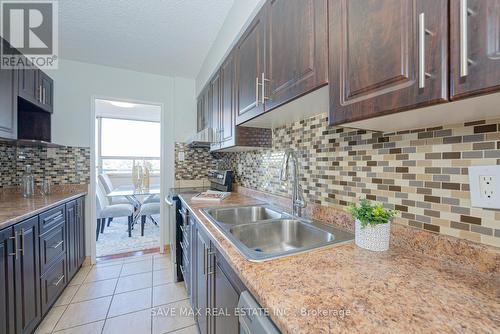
(296, 49)
(36, 87)
(386, 56)
(215, 99)
(27, 276)
(250, 55)
(46, 91)
(7, 257)
(475, 47)
(8, 104)
(29, 88)
(227, 103)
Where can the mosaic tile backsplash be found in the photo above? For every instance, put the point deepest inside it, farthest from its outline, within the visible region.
(66, 165)
(196, 164)
(421, 173)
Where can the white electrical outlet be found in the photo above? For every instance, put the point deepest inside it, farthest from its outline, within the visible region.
(485, 186)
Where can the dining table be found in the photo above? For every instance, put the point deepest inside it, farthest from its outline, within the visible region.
(132, 194)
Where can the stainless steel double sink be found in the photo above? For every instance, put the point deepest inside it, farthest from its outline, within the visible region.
(261, 232)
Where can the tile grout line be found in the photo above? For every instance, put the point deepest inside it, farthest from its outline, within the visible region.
(152, 298)
(111, 301)
(69, 303)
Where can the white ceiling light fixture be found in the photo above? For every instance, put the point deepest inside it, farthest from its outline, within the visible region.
(122, 104)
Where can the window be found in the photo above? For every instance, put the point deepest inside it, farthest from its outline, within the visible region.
(122, 142)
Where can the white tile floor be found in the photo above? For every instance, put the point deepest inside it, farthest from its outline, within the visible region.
(133, 295)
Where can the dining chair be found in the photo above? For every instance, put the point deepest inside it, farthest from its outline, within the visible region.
(106, 210)
(108, 187)
(148, 210)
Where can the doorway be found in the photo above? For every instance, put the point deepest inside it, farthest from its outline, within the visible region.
(126, 177)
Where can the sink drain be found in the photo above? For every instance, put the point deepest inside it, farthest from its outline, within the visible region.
(257, 249)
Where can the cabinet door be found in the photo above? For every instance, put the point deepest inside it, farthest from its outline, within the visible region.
(226, 298)
(193, 263)
(80, 231)
(475, 47)
(29, 86)
(215, 97)
(8, 104)
(47, 91)
(227, 103)
(202, 285)
(297, 49)
(199, 113)
(72, 242)
(7, 281)
(249, 69)
(386, 56)
(27, 273)
(207, 107)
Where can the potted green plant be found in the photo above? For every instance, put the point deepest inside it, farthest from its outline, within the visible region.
(372, 226)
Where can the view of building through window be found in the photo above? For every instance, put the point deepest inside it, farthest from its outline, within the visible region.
(122, 142)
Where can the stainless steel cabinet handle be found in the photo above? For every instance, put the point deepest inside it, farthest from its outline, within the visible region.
(263, 87)
(15, 254)
(208, 258)
(22, 242)
(55, 246)
(464, 32)
(58, 281)
(43, 98)
(40, 93)
(257, 91)
(204, 261)
(422, 32)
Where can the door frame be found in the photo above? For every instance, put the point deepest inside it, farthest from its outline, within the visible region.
(91, 204)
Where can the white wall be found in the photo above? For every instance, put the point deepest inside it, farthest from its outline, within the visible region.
(76, 83)
(238, 18)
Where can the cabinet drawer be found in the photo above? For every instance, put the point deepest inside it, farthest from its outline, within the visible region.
(51, 218)
(52, 245)
(53, 282)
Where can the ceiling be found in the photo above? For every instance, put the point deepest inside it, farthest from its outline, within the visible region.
(165, 37)
(127, 110)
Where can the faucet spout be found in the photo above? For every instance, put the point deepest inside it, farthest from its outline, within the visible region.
(298, 201)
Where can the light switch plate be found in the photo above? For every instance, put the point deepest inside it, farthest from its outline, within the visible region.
(485, 186)
(181, 156)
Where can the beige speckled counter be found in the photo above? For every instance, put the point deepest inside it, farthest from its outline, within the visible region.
(15, 208)
(345, 289)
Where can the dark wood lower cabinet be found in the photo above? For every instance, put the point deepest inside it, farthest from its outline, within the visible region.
(216, 287)
(7, 258)
(202, 281)
(27, 276)
(226, 299)
(34, 264)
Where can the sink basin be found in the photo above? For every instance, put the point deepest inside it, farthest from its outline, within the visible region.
(262, 233)
(278, 236)
(243, 215)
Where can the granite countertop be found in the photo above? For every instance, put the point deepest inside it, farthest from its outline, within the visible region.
(346, 289)
(15, 208)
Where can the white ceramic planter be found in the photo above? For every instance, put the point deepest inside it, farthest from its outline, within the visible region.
(373, 237)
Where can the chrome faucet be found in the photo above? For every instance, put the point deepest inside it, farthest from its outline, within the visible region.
(298, 202)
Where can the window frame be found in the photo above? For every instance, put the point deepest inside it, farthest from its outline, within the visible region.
(100, 157)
